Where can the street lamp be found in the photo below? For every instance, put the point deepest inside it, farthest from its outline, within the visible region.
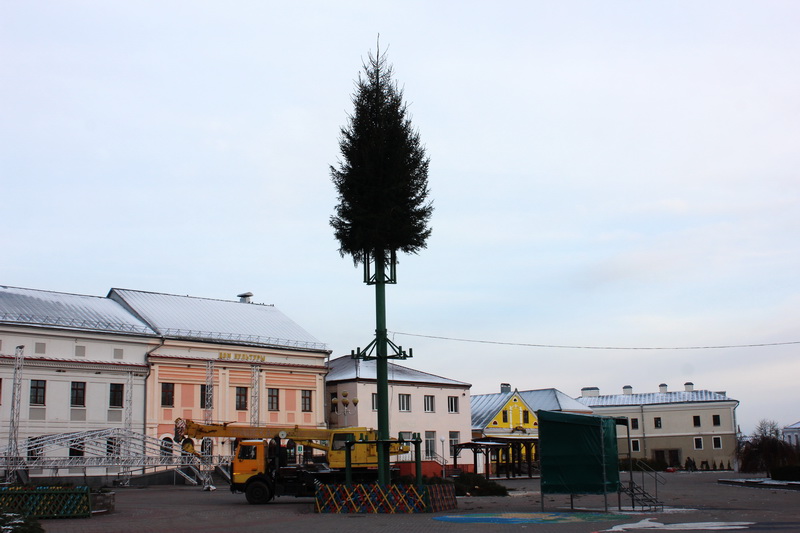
(346, 404)
(444, 459)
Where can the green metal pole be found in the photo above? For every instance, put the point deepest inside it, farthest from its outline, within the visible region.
(418, 458)
(348, 463)
(382, 368)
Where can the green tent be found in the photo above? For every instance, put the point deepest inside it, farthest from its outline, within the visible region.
(578, 453)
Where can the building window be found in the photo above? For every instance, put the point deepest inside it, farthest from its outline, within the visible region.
(115, 394)
(716, 420)
(34, 448)
(455, 438)
(505, 416)
(167, 395)
(334, 402)
(113, 447)
(634, 423)
(526, 416)
(404, 436)
(80, 351)
(76, 450)
(241, 398)
(374, 401)
(273, 403)
(452, 404)
(698, 443)
(696, 421)
(430, 405)
(657, 422)
(404, 402)
(635, 445)
(305, 401)
(205, 401)
(119, 353)
(38, 391)
(430, 444)
(77, 395)
(166, 448)
(39, 348)
(717, 442)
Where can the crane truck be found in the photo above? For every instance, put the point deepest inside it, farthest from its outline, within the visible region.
(261, 468)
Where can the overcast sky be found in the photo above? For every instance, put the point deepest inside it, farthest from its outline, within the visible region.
(604, 174)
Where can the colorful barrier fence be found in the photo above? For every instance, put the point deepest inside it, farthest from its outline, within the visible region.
(389, 499)
(47, 502)
(441, 498)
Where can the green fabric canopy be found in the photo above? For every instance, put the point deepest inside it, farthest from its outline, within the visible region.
(578, 453)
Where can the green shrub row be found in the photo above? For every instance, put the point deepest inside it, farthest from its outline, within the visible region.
(466, 484)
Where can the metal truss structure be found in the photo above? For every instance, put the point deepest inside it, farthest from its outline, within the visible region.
(255, 395)
(130, 452)
(11, 453)
(208, 409)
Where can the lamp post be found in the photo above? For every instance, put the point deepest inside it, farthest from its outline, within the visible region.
(444, 459)
(345, 404)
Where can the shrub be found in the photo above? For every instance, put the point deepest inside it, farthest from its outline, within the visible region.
(465, 484)
(785, 473)
(765, 454)
(624, 465)
(477, 485)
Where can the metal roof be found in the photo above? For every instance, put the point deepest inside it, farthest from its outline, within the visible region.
(31, 307)
(796, 425)
(346, 368)
(653, 398)
(205, 319)
(486, 406)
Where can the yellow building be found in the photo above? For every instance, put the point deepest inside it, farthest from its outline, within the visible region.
(505, 429)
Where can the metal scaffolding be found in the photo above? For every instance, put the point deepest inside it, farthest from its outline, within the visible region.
(11, 454)
(208, 408)
(255, 395)
(107, 448)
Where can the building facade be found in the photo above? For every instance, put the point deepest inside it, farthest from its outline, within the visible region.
(263, 368)
(84, 368)
(672, 427)
(138, 360)
(791, 434)
(507, 420)
(436, 408)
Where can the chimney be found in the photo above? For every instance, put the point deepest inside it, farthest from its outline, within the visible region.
(245, 297)
(627, 389)
(662, 387)
(689, 386)
(590, 392)
(505, 387)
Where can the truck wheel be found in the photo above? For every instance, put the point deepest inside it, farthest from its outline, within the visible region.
(257, 493)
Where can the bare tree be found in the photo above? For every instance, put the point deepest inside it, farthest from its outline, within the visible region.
(767, 428)
(765, 450)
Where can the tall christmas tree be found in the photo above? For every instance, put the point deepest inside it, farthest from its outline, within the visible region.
(382, 184)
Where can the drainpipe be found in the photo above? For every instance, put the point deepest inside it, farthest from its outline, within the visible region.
(146, 377)
(644, 433)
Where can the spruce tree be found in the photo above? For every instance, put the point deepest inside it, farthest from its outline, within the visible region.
(382, 177)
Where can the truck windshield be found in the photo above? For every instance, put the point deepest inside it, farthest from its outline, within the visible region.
(339, 439)
(247, 452)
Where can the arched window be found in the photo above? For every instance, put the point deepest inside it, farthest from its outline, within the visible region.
(207, 447)
(166, 449)
(187, 442)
